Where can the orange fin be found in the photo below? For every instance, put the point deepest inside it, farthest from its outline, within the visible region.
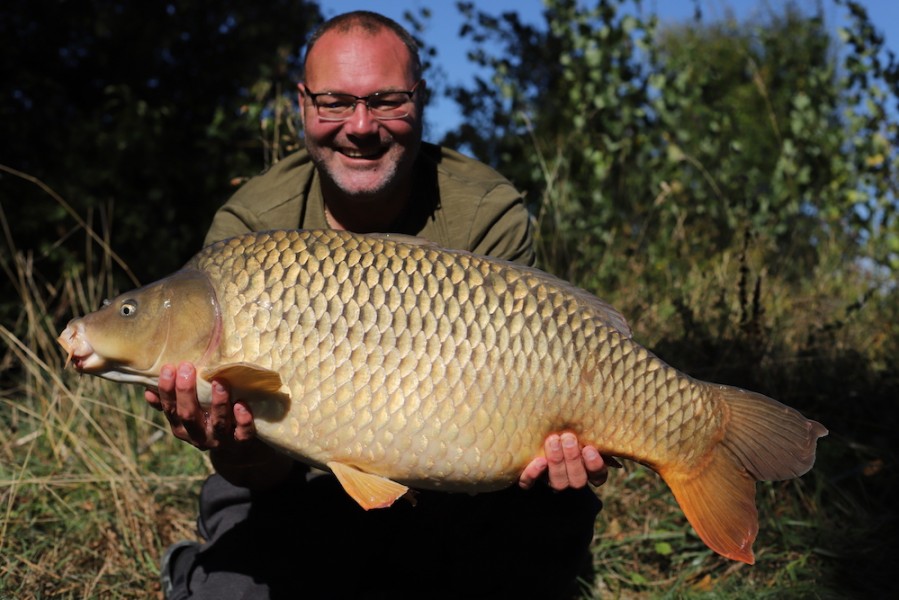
(262, 387)
(370, 491)
(248, 376)
(763, 440)
(772, 440)
(718, 499)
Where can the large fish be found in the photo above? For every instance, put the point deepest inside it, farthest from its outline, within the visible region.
(394, 363)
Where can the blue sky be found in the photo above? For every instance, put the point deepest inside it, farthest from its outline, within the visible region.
(445, 21)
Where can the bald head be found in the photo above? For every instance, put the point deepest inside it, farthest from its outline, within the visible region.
(371, 24)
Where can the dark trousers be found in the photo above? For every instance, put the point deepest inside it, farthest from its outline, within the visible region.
(308, 539)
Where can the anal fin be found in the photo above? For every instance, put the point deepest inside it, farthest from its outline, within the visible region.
(370, 491)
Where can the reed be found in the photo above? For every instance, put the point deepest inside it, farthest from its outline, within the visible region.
(92, 486)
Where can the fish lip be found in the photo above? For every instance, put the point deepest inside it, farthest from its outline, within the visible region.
(87, 363)
(79, 350)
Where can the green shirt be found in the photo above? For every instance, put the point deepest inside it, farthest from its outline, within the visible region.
(457, 202)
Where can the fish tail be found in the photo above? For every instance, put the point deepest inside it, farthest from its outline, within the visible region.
(763, 440)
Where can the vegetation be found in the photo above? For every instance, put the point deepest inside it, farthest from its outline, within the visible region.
(142, 115)
(93, 486)
(730, 186)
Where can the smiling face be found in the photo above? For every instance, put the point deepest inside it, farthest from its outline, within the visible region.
(362, 161)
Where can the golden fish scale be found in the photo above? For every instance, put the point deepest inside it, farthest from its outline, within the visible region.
(439, 368)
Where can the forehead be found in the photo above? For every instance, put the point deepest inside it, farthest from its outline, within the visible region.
(359, 62)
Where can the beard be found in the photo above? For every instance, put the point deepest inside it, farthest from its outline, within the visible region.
(364, 174)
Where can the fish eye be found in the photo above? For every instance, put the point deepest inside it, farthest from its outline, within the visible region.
(128, 308)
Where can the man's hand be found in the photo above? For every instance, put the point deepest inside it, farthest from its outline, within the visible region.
(566, 464)
(227, 429)
(219, 427)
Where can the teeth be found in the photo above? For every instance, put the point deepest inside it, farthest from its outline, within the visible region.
(360, 154)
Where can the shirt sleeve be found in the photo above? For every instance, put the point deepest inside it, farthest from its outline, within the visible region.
(227, 223)
(480, 210)
(503, 227)
(273, 200)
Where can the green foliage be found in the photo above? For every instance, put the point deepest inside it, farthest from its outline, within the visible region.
(670, 145)
(732, 187)
(140, 114)
(570, 111)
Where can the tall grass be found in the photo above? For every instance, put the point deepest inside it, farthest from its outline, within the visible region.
(93, 487)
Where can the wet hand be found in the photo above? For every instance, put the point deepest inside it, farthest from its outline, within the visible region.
(221, 426)
(566, 464)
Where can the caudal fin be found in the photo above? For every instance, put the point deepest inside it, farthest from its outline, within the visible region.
(763, 440)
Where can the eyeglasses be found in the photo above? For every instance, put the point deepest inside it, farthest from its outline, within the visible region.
(382, 105)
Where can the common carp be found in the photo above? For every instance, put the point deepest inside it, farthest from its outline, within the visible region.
(395, 363)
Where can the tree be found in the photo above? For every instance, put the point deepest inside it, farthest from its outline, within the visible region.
(659, 150)
(562, 115)
(140, 114)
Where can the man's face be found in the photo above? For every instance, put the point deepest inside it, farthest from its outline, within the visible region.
(362, 156)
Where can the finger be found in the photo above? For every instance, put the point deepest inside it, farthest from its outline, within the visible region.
(167, 399)
(555, 461)
(153, 399)
(167, 390)
(574, 461)
(193, 418)
(244, 425)
(597, 471)
(221, 423)
(532, 472)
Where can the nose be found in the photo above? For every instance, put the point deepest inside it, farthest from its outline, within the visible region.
(361, 122)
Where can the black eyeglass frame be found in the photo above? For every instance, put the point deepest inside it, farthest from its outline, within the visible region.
(313, 96)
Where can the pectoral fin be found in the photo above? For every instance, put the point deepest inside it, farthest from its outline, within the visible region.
(370, 491)
(248, 377)
(262, 387)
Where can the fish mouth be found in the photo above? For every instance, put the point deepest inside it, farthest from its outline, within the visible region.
(85, 364)
(79, 352)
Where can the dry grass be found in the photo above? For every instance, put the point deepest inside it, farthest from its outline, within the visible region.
(92, 487)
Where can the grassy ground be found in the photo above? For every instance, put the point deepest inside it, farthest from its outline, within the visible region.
(91, 485)
(93, 488)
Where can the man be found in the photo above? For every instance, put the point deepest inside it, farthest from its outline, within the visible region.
(271, 529)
